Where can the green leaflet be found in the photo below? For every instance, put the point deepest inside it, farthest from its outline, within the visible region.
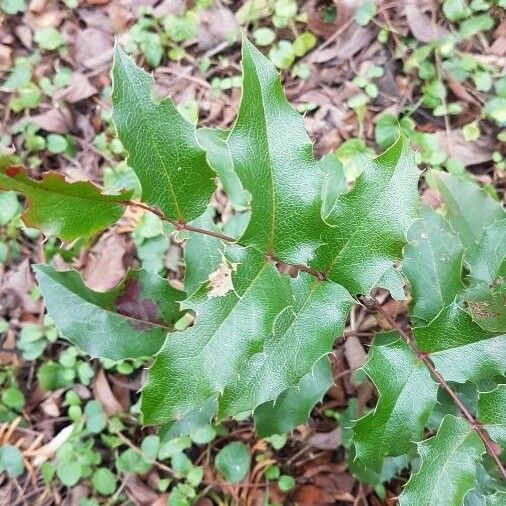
(433, 264)
(492, 414)
(272, 155)
(162, 146)
(247, 345)
(407, 395)
(294, 405)
(449, 463)
(459, 348)
(369, 223)
(214, 142)
(66, 210)
(130, 321)
(202, 253)
(468, 208)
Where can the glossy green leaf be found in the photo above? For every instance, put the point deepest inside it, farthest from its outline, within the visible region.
(162, 146)
(247, 345)
(449, 463)
(368, 224)
(459, 348)
(294, 405)
(129, 321)
(433, 264)
(468, 208)
(66, 210)
(233, 462)
(407, 394)
(273, 157)
(492, 413)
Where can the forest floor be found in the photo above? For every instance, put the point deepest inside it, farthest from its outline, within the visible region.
(353, 68)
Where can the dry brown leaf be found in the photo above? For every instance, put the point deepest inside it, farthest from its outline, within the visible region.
(104, 267)
(138, 492)
(78, 89)
(220, 281)
(217, 24)
(354, 352)
(93, 48)
(19, 282)
(326, 440)
(54, 120)
(465, 152)
(309, 495)
(421, 25)
(103, 394)
(5, 57)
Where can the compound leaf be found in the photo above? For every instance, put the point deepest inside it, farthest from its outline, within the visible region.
(368, 224)
(293, 406)
(459, 348)
(273, 157)
(130, 321)
(407, 395)
(247, 345)
(468, 208)
(162, 146)
(433, 264)
(66, 210)
(492, 413)
(450, 460)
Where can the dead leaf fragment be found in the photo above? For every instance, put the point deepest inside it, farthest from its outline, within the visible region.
(421, 25)
(102, 393)
(105, 267)
(220, 281)
(217, 24)
(354, 352)
(5, 57)
(78, 89)
(465, 152)
(326, 440)
(54, 120)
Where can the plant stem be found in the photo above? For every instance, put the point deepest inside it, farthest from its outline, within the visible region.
(490, 446)
(181, 225)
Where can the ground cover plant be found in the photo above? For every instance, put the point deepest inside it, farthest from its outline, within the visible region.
(301, 250)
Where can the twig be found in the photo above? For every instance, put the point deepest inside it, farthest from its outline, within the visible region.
(491, 448)
(181, 225)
